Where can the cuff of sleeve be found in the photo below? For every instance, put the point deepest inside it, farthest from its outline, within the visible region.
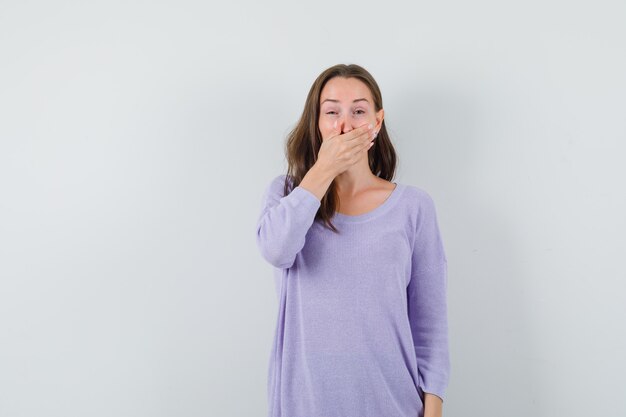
(432, 387)
(302, 196)
(438, 392)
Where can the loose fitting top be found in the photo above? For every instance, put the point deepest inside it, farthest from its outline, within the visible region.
(362, 327)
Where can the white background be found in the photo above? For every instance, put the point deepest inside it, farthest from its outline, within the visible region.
(136, 139)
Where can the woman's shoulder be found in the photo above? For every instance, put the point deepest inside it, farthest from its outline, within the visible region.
(276, 185)
(419, 206)
(280, 179)
(418, 201)
(416, 194)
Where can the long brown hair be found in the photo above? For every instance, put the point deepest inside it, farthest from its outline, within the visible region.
(304, 141)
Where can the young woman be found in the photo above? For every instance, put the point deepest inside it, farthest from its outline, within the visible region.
(360, 267)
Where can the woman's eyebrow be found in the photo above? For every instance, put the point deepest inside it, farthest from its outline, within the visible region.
(337, 101)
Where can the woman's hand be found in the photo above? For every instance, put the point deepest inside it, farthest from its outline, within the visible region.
(339, 152)
(432, 405)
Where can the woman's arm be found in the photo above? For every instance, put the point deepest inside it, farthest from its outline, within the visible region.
(317, 180)
(427, 304)
(285, 220)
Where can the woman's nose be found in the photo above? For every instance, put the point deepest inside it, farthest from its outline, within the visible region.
(346, 124)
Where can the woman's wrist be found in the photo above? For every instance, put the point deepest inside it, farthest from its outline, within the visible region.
(433, 405)
(317, 180)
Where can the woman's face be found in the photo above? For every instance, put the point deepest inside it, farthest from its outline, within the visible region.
(345, 104)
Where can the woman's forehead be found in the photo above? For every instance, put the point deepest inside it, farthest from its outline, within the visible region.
(345, 90)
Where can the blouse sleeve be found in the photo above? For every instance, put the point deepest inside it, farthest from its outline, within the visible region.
(284, 221)
(427, 305)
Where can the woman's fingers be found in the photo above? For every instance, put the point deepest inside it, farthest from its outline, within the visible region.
(363, 146)
(358, 132)
(364, 139)
(343, 150)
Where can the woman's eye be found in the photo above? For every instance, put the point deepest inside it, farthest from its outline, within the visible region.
(361, 111)
(330, 112)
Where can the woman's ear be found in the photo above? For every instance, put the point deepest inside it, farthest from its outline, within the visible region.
(380, 115)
